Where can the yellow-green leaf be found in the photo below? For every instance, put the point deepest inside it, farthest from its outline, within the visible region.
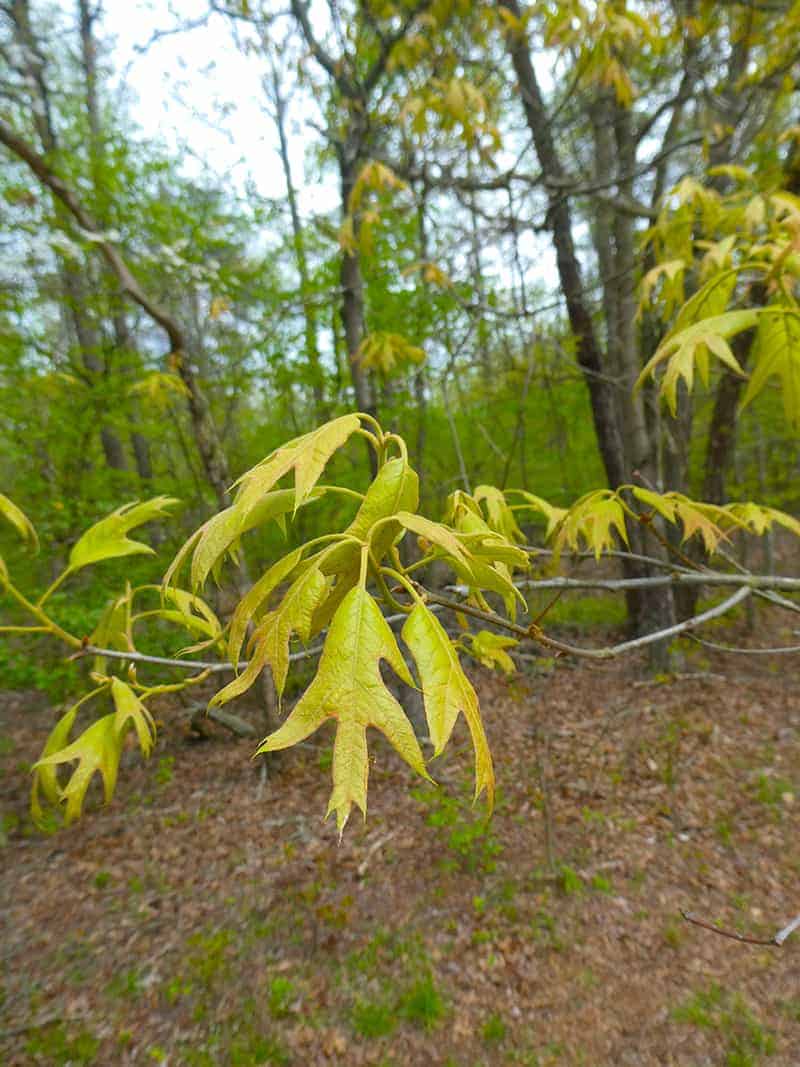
(777, 353)
(45, 778)
(19, 520)
(107, 538)
(695, 516)
(130, 709)
(680, 350)
(593, 520)
(348, 688)
(96, 750)
(222, 531)
(490, 650)
(500, 517)
(436, 533)
(447, 692)
(113, 629)
(388, 352)
(270, 640)
(552, 514)
(306, 456)
(255, 597)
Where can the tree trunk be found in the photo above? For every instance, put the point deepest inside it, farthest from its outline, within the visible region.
(352, 285)
(298, 239)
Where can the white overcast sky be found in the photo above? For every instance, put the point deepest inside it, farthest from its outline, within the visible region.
(184, 82)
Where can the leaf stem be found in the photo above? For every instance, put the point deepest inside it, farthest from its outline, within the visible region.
(53, 586)
(42, 616)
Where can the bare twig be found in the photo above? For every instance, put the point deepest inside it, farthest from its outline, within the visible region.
(778, 939)
(785, 651)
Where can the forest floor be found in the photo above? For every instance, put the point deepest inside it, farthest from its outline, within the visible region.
(209, 917)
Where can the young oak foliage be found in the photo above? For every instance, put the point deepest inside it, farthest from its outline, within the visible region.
(348, 688)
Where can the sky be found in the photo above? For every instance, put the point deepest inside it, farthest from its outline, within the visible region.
(198, 89)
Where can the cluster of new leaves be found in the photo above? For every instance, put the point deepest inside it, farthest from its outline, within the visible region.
(599, 520)
(387, 352)
(323, 586)
(743, 248)
(97, 750)
(339, 587)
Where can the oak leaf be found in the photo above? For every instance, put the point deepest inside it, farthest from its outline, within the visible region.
(348, 687)
(447, 692)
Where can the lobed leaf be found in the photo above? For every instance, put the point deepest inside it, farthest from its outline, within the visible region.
(255, 597)
(680, 350)
(306, 456)
(552, 514)
(490, 650)
(96, 750)
(777, 353)
(447, 692)
(695, 516)
(500, 517)
(222, 531)
(592, 520)
(107, 538)
(348, 687)
(270, 640)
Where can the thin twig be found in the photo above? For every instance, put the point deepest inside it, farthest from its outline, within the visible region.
(786, 651)
(213, 667)
(778, 939)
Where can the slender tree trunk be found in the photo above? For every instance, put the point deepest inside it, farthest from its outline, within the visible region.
(352, 285)
(298, 239)
(559, 220)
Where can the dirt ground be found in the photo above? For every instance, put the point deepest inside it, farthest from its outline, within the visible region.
(208, 916)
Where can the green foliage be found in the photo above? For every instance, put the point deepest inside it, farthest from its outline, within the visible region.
(421, 1004)
(745, 1038)
(57, 1047)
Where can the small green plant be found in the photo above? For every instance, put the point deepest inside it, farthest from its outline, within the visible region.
(127, 984)
(746, 1039)
(101, 879)
(569, 881)
(470, 836)
(772, 791)
(601, 884)
(494, 1029)
(53, 1045)
(281, 994)
(164, 770)
(373, 1018)
(422, 1004)
(545, 929)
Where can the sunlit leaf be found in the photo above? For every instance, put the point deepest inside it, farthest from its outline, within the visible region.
(221, 533)
(499, 515)
(552, 514)
(388, 352)
(306, 456)
(681, 350)
(490, 650)
(255, 597)
(19, 520)
(695, 516)
(270, 640)
(777, 354)
(107, 538)
(113, 630)
(348, 687)
(592, 521)
(447, 692)
(96, 750)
